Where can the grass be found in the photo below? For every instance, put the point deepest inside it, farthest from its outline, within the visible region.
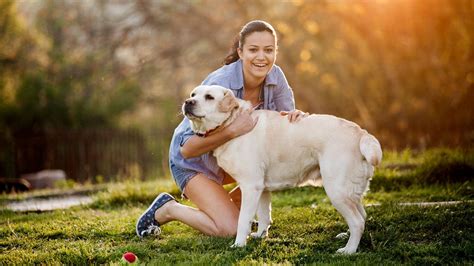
(303, 232)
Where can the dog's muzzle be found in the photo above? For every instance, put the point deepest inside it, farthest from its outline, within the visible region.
(189, 107)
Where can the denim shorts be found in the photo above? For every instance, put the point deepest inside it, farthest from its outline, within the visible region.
(182, 176)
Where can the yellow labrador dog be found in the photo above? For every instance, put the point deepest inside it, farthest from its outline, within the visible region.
(278, 154)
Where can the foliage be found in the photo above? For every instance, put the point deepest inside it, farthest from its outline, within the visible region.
(76, 88)
(20, 48)
(400, 70)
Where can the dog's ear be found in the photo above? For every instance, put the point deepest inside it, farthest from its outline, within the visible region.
(228, 103)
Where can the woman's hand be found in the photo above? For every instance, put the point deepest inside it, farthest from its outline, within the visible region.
(295, 115)
(243, 124)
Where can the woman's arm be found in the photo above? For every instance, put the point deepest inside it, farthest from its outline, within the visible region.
(196, 146)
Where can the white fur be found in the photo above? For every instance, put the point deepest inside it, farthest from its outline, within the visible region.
(278, 154)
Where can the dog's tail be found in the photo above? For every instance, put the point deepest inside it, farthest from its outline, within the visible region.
(370, 149)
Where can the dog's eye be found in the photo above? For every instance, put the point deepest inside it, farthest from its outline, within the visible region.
(208, 97)
(193, 94)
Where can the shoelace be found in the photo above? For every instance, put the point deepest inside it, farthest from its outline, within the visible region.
(152, 229)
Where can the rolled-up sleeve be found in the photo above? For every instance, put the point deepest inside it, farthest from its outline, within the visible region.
(185, 132)
(283, 94)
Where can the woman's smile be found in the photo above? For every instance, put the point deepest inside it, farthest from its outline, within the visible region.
(260, 65)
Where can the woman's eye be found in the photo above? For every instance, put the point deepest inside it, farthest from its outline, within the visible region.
(253, 50)
(268, 50)
(208, 97)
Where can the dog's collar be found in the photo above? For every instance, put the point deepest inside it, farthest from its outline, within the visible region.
(205, 134)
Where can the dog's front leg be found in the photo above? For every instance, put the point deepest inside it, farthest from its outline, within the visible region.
(250, 198)
(264, 214)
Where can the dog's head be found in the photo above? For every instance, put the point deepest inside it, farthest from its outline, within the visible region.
(209, 107)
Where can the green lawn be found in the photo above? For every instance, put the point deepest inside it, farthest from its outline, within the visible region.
(304, 228)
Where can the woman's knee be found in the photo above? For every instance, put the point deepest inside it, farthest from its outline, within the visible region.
(228, 228)
(227, 224)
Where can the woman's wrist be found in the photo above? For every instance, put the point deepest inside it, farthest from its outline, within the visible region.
(229, 133)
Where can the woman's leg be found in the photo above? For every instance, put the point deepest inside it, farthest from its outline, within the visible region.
(216, 215)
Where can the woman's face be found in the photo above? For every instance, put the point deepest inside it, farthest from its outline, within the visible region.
(258, 54)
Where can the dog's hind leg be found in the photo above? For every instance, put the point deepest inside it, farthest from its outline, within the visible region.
(250, 198)
(348, 209)
(264, 213)
(347, 206)
(360, 208)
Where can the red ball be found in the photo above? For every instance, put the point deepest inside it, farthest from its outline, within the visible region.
(129, 257)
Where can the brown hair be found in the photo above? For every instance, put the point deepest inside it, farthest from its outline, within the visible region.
(249, 28)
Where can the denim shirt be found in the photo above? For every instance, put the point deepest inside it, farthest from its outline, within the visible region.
(277, 96)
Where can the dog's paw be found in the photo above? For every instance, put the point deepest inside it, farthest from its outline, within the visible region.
(264, 234)
(345, 251)
(238, 245)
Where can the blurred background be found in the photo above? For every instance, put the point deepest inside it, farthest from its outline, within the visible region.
(94, 87)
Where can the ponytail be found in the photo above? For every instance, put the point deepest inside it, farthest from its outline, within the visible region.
(233, 55)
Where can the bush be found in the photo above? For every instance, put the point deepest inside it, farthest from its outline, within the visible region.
(439, 166)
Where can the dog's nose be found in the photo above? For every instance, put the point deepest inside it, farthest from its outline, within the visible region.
(190, 102)
(189, 106)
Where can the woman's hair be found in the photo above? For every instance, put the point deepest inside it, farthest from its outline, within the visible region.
(249, 28)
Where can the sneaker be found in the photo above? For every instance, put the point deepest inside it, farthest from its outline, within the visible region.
(146, 224)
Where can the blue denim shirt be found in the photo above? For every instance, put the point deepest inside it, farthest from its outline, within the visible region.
(277, 96)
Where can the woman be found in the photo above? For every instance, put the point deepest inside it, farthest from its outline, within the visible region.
(249, 71)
